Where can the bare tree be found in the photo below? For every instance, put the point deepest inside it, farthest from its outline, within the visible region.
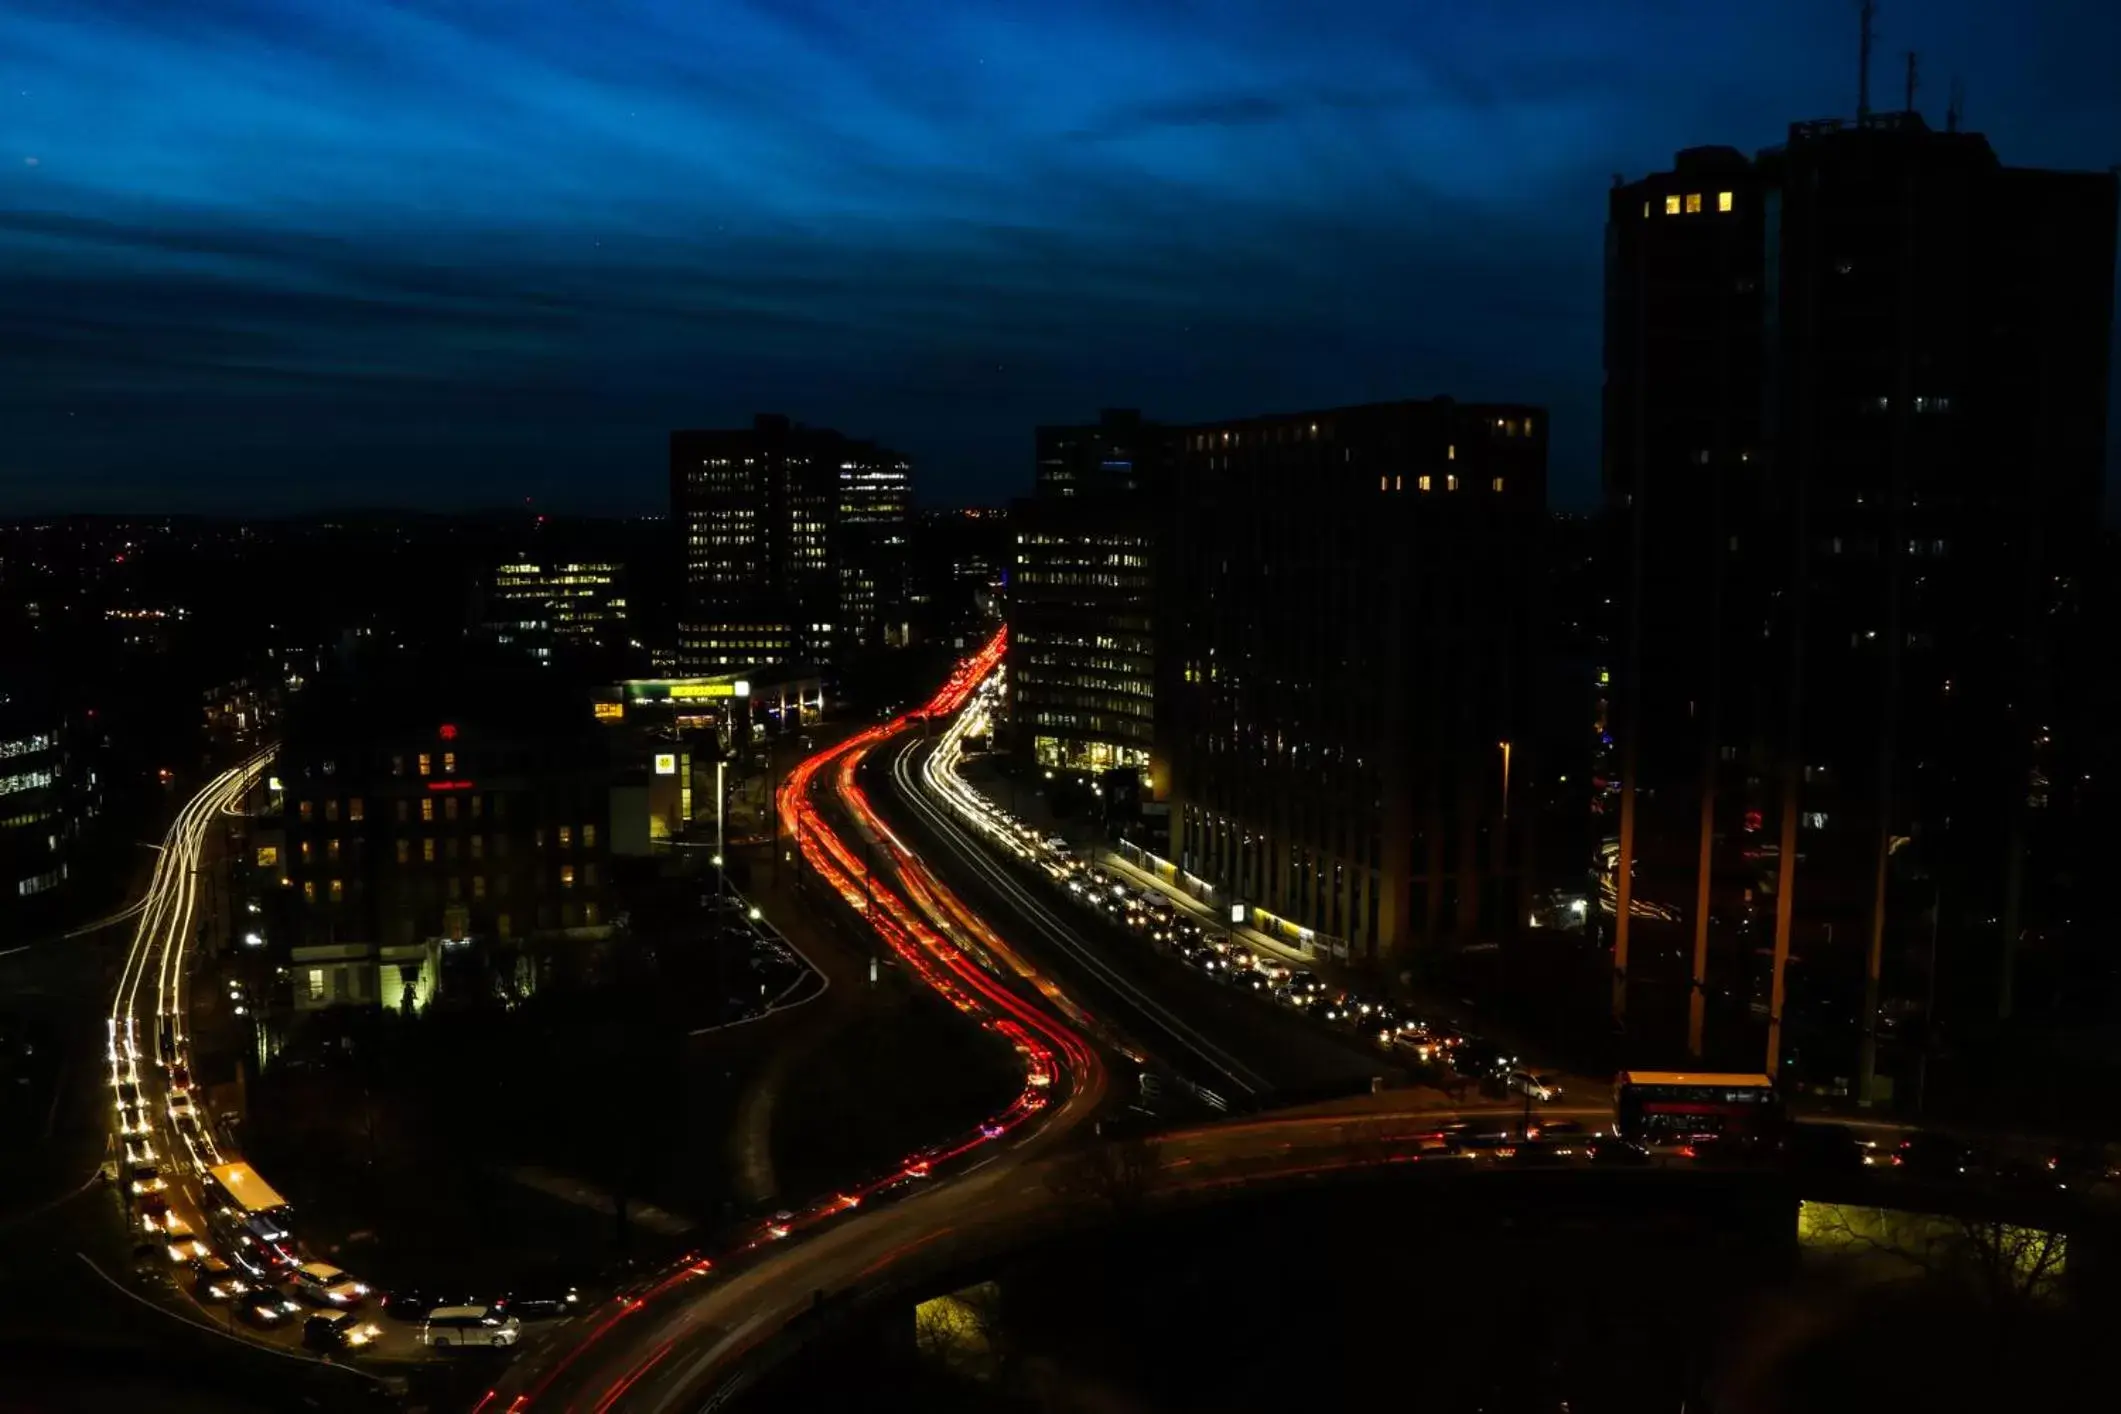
(2006, 1266)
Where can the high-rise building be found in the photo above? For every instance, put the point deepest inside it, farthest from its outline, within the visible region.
(1854, 426)
(1082, 595)
(792, 541)
(1345, 691)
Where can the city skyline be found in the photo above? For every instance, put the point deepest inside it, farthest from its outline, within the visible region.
(315, 259)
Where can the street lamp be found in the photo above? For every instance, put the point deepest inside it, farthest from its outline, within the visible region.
(721, 799)
(1505, 778)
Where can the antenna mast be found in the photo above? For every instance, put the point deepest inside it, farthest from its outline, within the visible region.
(1909, 106)
(1863, 64)
(1955, 105)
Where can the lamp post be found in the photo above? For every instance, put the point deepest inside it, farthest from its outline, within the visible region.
(721, 802)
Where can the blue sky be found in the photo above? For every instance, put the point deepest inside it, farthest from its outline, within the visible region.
(273, 254)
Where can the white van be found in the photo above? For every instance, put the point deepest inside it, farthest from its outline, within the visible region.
(469, 1325)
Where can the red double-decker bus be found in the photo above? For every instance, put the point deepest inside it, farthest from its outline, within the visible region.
(1675, 1106)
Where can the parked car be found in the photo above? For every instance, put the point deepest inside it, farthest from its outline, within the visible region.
(215, 1280)
(266, 1310)
(325, 1285)
(338, 1330)
(469, 1325)
(550, 1298)
(416, 1303)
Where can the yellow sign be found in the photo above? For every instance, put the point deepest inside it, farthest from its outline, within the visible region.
(610, 711)
(666, 764)
(703, 689)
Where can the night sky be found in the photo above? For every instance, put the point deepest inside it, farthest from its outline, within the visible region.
(291, 254)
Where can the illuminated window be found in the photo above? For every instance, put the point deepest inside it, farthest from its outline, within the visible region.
(268, 856)
(338, 891)
(353, 809)
(331, 811)
(566, 876)
(589, 910)
(1496, 483)
(427, 850)
(427, 808)
(1693, 202)
(477, 802)
(449, 763)
(397, 765)
(1421, 483)
(426, 764)
(589, 837)
(1380, 483)
(316, 984)
(478, 886)
(1645, 208)
(478, 846)
(309, 891)
(1399, 483)
(305, 851)
(404, 851)
(304, 811)
(1450, 453)
(566, 837)
(1450, 483)
(1671, 206)
(1723, 201)
(501, 920)
(449, 808)
(331, 850)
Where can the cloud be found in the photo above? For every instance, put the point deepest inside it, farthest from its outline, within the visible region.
(1232, 110)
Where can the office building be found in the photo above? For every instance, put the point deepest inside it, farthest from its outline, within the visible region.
(1344, 642)
(792, 541)
(541, 608)
(1855, 428)
(48, 794)
(409, 806)
(1082, 595)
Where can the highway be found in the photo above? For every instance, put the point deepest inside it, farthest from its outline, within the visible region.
(677, 1337)
(684, 1338)
(1227, 1049)
(166, 1127)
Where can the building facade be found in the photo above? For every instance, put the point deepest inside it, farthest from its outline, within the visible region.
(543, 607)
(1082, 595)
(467, 822)
(792, 541)
(1855, 429)
(1345, 650)
(45, 803)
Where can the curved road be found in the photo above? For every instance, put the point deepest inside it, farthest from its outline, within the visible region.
(675, 1339)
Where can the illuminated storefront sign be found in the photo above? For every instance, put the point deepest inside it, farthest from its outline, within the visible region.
(685, 689)
(666, 764)
(610, 711)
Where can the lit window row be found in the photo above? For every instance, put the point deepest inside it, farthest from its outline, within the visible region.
(1690, 204)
